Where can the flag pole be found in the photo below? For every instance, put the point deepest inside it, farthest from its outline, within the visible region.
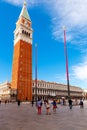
(66, 56)
(36, 73)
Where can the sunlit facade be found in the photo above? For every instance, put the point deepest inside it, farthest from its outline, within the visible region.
(45, 90)
(54, 90)
(5, 91)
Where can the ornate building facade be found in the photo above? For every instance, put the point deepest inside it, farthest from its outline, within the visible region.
(45, 90)
(5, 91)
(54, 90)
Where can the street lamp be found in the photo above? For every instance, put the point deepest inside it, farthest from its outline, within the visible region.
(36, 73)
(66, 56)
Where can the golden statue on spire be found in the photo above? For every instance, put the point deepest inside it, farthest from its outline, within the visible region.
(25, 3)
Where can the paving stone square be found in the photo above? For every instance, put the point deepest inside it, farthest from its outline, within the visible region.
(25, 117)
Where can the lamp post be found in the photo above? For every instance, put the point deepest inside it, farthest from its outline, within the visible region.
(66, 56)
(36, 73)
(47, 93)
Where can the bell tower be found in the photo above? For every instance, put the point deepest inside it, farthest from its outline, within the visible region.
(22, 57)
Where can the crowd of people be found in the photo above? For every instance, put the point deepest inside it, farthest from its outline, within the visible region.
(47, 106)
(53, 104)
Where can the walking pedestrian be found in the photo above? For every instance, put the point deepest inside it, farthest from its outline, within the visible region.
(39, 106)
(32, 102)
(81, 103)
(54, 106)
(0, 101)
(70, 103)
(47, 108)
(5, 102)
(18, 102)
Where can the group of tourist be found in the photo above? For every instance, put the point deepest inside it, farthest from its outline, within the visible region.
(54, 105)
(47, 106)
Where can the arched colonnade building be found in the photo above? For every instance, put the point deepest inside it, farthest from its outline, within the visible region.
(54, 90)
(45, 90)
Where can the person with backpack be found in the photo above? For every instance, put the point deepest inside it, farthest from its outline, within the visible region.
(39, 106)
(54, 106)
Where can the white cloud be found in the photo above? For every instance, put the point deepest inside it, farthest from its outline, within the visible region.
(78, 75)
(29, 2)
(80, 71)
(14, 2)
(72, 14)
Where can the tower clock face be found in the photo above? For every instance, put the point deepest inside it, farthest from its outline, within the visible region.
(26, 24)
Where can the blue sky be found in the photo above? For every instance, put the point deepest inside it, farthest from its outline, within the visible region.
(48, 17)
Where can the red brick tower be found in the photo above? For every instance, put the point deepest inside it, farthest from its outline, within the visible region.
(22, 58)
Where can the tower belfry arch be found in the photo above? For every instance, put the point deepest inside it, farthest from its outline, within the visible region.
(22, 57)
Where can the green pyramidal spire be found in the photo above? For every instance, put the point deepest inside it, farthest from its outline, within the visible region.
(24, 12)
